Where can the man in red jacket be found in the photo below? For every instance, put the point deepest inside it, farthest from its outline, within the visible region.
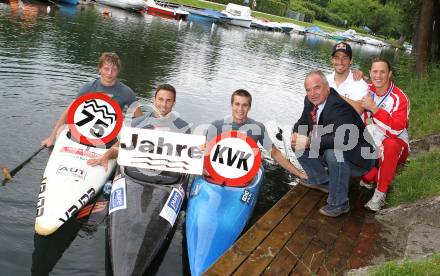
(386, 118)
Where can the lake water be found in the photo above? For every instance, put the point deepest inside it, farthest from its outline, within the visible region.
(45, 56)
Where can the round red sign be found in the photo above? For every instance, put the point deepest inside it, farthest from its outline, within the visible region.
(233, 158)
(94, 119)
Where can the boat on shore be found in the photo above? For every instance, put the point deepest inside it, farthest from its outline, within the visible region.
(215, 217)
(144, 207)
(132, 5)
(266, 25)
(315, 30)
(68, 182)
(290, 27)
(351, 35)
(166, 10)
(207, 15)
(238, 15)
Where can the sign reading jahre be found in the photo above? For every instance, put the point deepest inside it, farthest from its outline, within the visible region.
(161, 150)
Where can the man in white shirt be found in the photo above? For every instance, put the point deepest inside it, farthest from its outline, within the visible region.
(342, 80)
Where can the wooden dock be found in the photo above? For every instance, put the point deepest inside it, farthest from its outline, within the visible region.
(293, 238)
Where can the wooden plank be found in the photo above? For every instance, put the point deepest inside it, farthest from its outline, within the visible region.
(311, 260)
(264, 253)
(336, 261)
(365, 245)
(322, 244)
(291, 253)
(235, 255)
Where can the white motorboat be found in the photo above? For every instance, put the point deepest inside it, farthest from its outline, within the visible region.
(238, 15)
(134, 5)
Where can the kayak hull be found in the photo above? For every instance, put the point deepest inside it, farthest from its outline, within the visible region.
(68, 183)
(216, 216)
(138, 232)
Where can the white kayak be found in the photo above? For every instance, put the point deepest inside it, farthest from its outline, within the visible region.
(68, 183)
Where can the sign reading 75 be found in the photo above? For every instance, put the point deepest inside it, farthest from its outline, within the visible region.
(94, 119)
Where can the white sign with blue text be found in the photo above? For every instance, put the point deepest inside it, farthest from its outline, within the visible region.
(171, 209)
(118, 196)
(161, 150)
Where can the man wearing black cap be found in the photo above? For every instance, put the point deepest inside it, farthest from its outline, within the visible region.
(351, 88)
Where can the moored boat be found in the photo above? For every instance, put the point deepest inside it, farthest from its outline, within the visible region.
(238, 15)
(154, 8)
(143, 208)
(216, 216)
(290, 27)
(266, 25)
(316, 31)
(351, 35)
(207, 15)
(68, 182)
(134, 5)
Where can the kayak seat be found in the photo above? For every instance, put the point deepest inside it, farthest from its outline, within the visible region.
(164, 178)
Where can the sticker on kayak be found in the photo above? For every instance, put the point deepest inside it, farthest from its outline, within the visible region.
(66, 170)
(172, 206)
(118, 197)
(81, 152)
(246, 197)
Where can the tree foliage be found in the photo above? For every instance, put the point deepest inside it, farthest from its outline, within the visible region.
(382, 19)
(411, 20)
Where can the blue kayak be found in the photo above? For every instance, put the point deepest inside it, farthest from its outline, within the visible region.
(216, 216)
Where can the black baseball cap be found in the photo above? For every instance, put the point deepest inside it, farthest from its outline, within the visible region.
(342, 47)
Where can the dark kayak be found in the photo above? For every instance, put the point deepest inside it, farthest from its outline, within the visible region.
(143, 211)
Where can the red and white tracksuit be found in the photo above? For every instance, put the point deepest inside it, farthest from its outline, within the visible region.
(388, 127)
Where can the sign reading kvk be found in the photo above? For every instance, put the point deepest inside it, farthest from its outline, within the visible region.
(233, 159)
(161, 150)
(94, 119)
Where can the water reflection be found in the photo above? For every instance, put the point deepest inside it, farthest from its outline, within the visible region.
(48, 250)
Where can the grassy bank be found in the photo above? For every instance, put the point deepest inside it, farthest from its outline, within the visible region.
(421, 176)
(219, 7)
(420, 179)
(429, 267)
(425, 102)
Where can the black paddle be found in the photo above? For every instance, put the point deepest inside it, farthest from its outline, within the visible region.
(280, 137)
(8, 175)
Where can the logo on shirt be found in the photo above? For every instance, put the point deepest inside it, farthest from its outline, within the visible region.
(233, 158)
(94, 119)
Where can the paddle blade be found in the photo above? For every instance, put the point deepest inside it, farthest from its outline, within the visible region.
(6, 174)
(279, 135)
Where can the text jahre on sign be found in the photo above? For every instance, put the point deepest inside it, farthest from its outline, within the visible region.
(161, 150)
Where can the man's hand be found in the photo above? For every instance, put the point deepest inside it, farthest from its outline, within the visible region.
(103, 161)
(369, 104)
(48, 142)
(303, 175)
(299, 141)
(359, 75)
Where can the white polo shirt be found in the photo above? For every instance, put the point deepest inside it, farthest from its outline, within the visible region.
(354, 90)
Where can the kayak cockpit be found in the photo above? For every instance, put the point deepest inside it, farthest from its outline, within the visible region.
(106, 146)
(150, 176)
